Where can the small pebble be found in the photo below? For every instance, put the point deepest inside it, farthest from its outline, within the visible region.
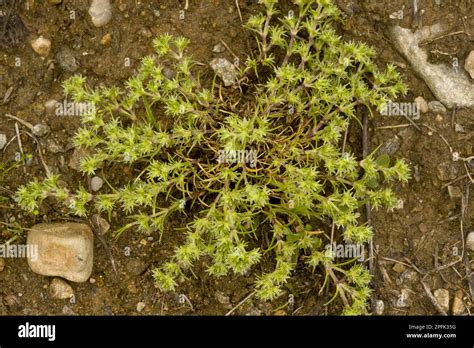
(2, 264)
(66, 59)
(219, 48)
(379, 307)
(436, 106)
(41, 46)
(106, 39)
(470, 241)
(140, 306)
(423, 228)
(3, 141)
(398, 267)
(11, 301)
(469, 64)
(446, 171)
(68, 311)
(422, 105)
(222, 298)
(458, 305)
(442, 296)
(391, 146)
(145, 32)
(40, 130)
(101, 223)
(400, 204)
(454, 192)
(404, 299)
(459, 128)
(60, 290)
(96, 183)
(100, 12)
(225, 70)
(50, 106)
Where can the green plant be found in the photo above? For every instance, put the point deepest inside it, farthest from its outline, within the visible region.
(258, 177)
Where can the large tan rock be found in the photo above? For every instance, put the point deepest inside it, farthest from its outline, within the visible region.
(63, 250)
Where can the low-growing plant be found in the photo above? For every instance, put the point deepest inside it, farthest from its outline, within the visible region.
(190, 143)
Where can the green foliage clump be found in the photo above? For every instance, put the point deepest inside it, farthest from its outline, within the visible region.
(260, 172)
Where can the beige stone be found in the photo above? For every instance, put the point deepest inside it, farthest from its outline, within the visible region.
(41, 46)
(398, 267)
(63, 250)
(422, 104)
(458, 305)
(469, 64)
(442, 296)
(470, 241)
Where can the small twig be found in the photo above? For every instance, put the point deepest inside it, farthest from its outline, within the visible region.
(467, 172)
(186, 5)
(238, 10)
(442, 36)
(403, 125)
(385, 275)
(98, 232)
(240, 303)
(412, 265)
(416, 15)
(188, 302)
(464, 203)
(338, 287)
(403, 263)
(228, 48)
(433, 299)
(451, 218)
(443, 267)
(453, 117)
(411, 121)
(454, 181)
(46, 168)
(17, 130)
(467, 136)
(23, 122)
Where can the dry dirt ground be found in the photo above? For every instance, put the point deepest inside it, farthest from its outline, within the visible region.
(421, 241)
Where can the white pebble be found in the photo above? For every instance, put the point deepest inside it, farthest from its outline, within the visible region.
(3, 141)
(140, 306)
(96, 183)
(100, 12)
(470, 241)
